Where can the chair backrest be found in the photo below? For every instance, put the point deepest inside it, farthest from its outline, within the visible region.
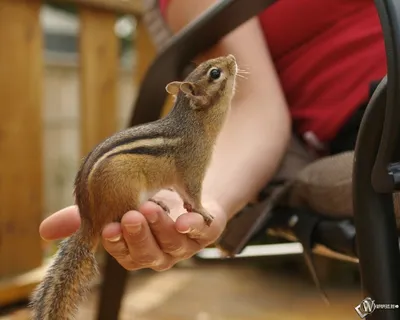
(155, 24)
(373, 185)
(389, 13)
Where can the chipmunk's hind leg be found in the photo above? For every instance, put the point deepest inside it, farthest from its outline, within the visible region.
(115, 191)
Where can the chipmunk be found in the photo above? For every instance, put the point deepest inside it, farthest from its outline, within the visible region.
(129, 168)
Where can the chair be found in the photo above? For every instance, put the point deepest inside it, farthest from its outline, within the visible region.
(285, 209)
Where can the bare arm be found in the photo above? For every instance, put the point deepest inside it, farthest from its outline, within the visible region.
(257, 131)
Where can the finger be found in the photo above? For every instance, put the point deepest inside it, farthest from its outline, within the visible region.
(61, 224)
(163, 228)
(116, 246)
(143, 247)
(112, 232)
(192, 224)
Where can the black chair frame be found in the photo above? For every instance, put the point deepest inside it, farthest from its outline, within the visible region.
(372, 236)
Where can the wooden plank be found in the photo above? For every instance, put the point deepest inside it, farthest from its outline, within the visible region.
(99, 64)
(20, 287)
(133, 7)
(21, 175)
(146, 52)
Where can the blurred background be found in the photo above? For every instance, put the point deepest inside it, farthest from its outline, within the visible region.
(246, 289)
(61, 114)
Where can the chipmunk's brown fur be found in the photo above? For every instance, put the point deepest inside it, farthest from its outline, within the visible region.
(128, 168)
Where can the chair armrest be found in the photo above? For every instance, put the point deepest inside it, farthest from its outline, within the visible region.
(196, 37)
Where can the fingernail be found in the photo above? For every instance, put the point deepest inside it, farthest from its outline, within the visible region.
(187, 231)
(115, 239)
(152, 217)
(133, 228)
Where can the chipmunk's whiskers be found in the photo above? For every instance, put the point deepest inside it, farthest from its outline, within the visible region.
(241, 76)
(243, 71)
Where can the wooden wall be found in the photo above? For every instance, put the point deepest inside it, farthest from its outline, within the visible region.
(21, 197)
(45, 133)
(22, 135)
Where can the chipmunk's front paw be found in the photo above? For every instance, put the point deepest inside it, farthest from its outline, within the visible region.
(188, 207)
(161, 204)
(208, 218)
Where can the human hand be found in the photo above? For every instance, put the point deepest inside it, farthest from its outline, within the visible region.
(147, 238)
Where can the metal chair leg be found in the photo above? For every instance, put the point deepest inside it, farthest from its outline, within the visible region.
(112, 290)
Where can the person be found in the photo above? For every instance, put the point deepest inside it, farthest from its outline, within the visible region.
(311, 64)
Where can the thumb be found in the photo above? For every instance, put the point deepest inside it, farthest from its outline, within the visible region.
(61, 224)
(192, 224)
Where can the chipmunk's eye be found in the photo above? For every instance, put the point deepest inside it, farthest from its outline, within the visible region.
(215, 73)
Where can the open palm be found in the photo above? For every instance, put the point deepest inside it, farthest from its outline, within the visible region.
(149, 237)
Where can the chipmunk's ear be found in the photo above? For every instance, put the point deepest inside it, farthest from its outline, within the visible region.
(173, 87)
(198, 98)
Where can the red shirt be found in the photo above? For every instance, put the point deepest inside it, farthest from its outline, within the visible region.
(326, 52)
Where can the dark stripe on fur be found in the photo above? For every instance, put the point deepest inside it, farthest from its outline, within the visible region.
(127, 140)
(93, 156)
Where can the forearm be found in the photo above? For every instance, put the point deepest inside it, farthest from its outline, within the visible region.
(247, 155)
(256, 133)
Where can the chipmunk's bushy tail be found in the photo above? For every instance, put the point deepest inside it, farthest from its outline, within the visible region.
(67, 280)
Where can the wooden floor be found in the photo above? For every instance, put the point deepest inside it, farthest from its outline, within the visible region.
(228, 291)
